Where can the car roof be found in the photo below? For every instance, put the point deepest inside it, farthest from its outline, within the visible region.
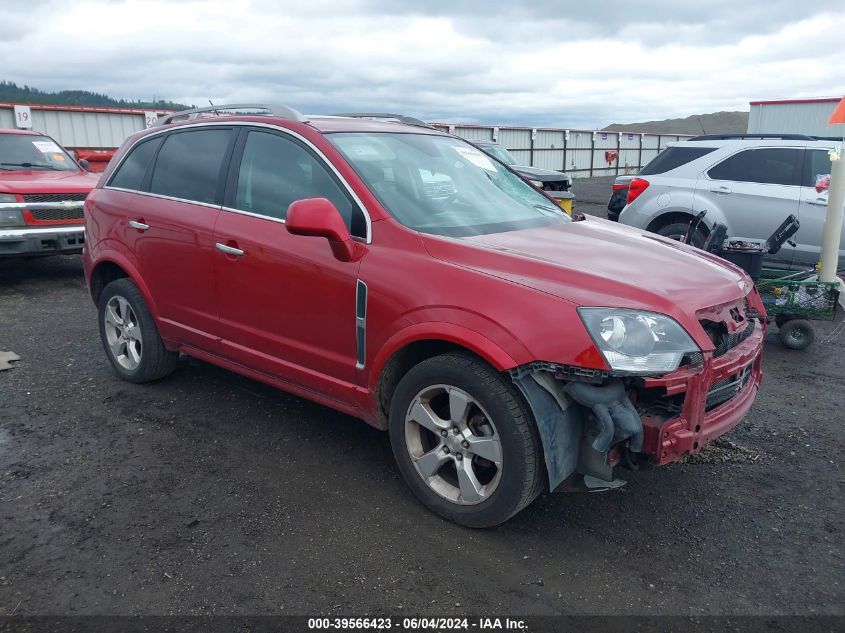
(326, 124)
(740, 143)
(16, 131)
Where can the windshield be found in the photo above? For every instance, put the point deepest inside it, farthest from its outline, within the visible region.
(22, 152)
(497, 151)
(443, 185)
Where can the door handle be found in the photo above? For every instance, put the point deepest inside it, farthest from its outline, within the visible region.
(138, 225)
(720, 190)
(229, 250)
(818, 202)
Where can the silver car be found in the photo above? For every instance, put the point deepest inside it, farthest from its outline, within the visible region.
(749, 184)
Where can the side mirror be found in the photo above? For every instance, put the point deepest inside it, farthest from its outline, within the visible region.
(318, 217)
(84, 164)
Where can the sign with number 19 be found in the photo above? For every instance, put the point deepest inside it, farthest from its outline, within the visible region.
(23, 116)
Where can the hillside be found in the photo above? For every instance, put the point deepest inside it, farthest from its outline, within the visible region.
(10, 91)
(713, 123)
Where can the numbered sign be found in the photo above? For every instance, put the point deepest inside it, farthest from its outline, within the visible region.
(150, 119)
(23, 116)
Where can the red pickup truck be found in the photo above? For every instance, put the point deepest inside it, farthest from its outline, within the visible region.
(42, 192)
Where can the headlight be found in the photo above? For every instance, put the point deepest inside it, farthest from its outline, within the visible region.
(637, 342)
(537, 183)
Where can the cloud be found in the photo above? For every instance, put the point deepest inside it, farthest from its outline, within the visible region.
(546, 64)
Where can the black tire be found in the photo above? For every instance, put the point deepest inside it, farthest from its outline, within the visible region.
(155, 360)
(797, 334)
(781, 319)
(677, 230)
(522, 472)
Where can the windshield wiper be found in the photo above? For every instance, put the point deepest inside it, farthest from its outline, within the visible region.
(34, 166)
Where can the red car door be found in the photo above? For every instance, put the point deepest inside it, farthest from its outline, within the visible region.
(170, 232)
(286, 304)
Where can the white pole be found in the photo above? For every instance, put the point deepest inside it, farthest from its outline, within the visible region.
(832, 232)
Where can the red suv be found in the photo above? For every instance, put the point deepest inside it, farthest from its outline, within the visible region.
(402, 276)
(42, 190)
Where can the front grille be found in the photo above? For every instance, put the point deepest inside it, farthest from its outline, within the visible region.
(730, 341)
(57, 214)
(724, 390)
(725, 341)
(692, 359)
(556, 185)
(54, 197)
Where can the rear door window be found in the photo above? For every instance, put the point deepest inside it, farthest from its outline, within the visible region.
(130, 174)
(771, 165)
(189, 165)
(816, 165)
(672, 158)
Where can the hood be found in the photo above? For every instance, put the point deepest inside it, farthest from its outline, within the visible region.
(544, 175)
(600, 263)
(44, 181)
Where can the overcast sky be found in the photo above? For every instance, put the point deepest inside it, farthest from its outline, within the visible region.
(544, 62)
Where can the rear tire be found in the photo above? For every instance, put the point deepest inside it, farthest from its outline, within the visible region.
(474, 457)
(129, 334)
(677, 231)
(797, 334)
(781, 319)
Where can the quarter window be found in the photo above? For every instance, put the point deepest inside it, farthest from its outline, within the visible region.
(775, 165)
(188, 165)
(674, 157)
(816, 163)
(276, 171)
(130, 174)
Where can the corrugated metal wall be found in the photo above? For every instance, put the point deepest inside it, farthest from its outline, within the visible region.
(581, 153)
(793, 118)
(73, 128)
(578, 152)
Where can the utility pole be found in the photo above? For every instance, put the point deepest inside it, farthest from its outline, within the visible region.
(832, 232)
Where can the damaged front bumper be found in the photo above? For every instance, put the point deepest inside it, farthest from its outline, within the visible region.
(591, 421)
(715, 398)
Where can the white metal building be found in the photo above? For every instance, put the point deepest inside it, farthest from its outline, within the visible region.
(794, 116)
(95, 132)
(76, 126)
(580, 153)
(92, 132)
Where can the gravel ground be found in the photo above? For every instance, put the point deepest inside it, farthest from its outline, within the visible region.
(207, 493)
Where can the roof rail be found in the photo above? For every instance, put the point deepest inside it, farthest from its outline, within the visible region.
(399, 118)
(283, 112)
(728, 137)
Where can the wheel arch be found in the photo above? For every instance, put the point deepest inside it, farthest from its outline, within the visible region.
(673, 217)
(416, 344)
(112, 267)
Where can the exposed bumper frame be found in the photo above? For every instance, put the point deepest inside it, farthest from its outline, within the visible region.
(669, 440)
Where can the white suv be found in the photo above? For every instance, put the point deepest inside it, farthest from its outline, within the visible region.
(749, 184)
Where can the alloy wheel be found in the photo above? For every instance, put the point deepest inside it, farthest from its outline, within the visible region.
(123, 333)
(453, 444)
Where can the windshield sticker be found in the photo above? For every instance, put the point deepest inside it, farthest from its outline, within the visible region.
(47, 147)
(476, 157)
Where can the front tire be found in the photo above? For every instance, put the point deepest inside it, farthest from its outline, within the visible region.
(465, 441)
(129, 334)
(678, 230)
